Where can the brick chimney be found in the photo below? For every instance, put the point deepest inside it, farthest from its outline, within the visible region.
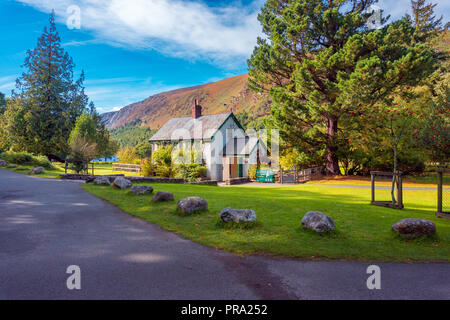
(196, 110)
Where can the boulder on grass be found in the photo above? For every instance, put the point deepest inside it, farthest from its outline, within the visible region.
(318, 222)
(162, 196)
(37, 170)
(122, 183)
(102, 181)
(11, 165)
(237, 215)
(413, 228)
(191, 205)
(3, 163)
(138, 190)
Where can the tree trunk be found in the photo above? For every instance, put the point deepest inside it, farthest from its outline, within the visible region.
(332, 161)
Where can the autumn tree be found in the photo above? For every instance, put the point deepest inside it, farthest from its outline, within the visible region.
(48, 101)
(319, 62)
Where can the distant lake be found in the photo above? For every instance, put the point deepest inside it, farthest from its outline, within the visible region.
(109, 159)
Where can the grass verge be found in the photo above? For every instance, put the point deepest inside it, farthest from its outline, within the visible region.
(363, 232)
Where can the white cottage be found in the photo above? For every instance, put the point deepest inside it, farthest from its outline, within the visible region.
(227, 150)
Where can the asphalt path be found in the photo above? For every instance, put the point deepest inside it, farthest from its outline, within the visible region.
(47, 225)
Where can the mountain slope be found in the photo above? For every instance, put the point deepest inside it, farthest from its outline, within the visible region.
(217, 97)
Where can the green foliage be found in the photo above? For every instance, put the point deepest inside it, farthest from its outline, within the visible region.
(42, 114)
(434, 134)
(81, 152)
(162, 160)
(148, 169)
(144, 149)
(25, 158)
(89, 129)
(2, 103)
(191, 172)
(319, 63)
(128, 155)
(130, 136)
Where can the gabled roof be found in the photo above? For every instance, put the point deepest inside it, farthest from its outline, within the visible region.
(209, 124)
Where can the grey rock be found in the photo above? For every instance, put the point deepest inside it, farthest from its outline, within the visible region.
(413, 228)
(3, 163)
(37, 170)
(141, 189)
(122, 183)
(11, 165)
(191, 205)
(103, 181)
(318, 222)
(162, 196)
(237, 215)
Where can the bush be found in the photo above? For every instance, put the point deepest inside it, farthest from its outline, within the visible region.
(25, 158)
(128, 155)
(147, 168)
(252, 172)
(191, 172)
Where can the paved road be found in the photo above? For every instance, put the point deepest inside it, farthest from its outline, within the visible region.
(47, 225)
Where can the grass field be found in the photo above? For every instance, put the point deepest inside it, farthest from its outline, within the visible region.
(424, 180)
(58, 168)
(363, 232)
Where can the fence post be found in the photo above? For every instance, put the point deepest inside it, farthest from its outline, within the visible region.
(439, 191)
(281, 175)
(372, 183)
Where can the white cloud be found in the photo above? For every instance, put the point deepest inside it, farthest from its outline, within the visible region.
(115, 93)
(188, 29)
(7, 83)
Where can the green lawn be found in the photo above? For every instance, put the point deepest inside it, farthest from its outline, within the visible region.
(363, 232)
(58, 168)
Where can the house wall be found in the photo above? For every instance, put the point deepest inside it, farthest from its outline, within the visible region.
(229, 130)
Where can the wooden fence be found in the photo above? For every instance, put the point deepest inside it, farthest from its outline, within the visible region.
(125, 167)
(295, 175)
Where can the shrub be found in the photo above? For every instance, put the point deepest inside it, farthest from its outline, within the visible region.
(252, 171)
(165, 171)
(191, 172)
(25, 158)
(128, 155)
(147, 168)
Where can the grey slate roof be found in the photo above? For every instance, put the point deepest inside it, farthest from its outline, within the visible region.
(209, 124)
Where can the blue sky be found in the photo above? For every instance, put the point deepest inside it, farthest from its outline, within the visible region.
(131, 49)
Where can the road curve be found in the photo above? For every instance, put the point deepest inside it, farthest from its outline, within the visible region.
(47, 225)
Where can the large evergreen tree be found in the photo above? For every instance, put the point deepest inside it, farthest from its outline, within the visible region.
(2, 103)
(48, 100)
(320, 63)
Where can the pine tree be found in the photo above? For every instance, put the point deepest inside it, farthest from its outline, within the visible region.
(319, 63)
(48, 100)
(2, 103)
(423, 19)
